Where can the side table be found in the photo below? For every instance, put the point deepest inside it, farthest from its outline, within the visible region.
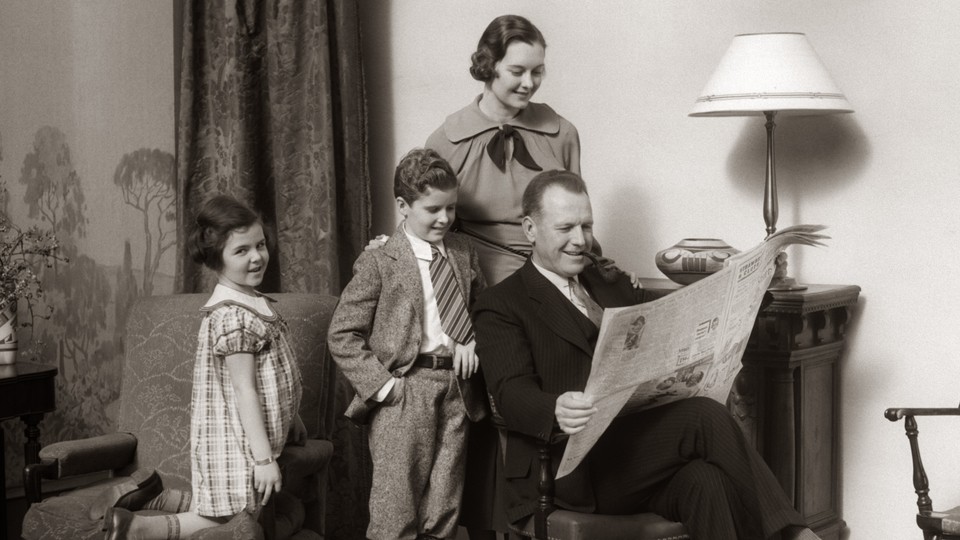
(27, 390)
(787, 395)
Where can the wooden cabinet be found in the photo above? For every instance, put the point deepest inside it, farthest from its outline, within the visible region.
(27, 390)
(787, 396)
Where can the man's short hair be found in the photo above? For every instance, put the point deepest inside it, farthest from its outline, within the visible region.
(532, 202)
(419, 169)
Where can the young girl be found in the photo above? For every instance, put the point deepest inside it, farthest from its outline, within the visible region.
(246, 385)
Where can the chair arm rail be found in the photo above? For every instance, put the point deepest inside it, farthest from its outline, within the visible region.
(921, 483)
(893, 414)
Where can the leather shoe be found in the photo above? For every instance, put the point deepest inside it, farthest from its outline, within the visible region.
(146, 491)
(117, 523)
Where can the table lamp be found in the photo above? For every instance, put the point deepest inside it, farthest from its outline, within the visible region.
(769, 74)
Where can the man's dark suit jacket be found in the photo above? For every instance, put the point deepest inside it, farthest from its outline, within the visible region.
(534, 345)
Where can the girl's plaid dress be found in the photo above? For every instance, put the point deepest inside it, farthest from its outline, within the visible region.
(222, 463)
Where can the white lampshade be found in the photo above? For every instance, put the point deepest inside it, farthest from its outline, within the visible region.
(777, 72)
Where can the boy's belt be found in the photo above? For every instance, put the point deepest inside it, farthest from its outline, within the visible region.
(433, 361)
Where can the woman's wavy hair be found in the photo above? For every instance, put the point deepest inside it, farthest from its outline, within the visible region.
(218, 217)
(492, 47)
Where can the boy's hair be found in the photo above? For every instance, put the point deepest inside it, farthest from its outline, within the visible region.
(218, 217)
(420, 169)
(532, 201)
(500, 33)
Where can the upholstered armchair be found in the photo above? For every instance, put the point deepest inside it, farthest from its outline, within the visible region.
(153, 431)
(935, 525)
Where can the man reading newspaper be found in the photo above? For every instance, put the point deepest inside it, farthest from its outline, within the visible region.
(536, 332)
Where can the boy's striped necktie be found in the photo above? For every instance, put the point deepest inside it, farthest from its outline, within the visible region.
(453, 311)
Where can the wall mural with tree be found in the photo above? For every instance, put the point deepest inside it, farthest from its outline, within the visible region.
(147, 179)
(89, 301)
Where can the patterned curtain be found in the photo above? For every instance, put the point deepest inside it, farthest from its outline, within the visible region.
(272, 111)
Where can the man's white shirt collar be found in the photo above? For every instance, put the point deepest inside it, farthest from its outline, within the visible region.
(561, 282)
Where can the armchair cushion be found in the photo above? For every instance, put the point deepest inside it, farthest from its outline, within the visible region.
(242, 526)
(576, 526)
(68, 515)
(83, 456)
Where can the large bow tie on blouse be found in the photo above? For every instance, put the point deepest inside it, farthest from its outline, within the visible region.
(496, 149)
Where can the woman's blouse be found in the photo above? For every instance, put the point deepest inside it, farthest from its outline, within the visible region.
(489, 203)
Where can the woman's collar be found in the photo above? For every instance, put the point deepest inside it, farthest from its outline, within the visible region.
(259, 304)
(470, 121)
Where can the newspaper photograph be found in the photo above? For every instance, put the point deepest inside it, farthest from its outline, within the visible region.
(688, 343)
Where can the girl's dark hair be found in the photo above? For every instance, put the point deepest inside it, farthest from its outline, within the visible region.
(419, 169)
(218, 217)
(493, 44)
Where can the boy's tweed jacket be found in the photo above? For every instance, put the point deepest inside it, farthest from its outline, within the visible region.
(376, 328)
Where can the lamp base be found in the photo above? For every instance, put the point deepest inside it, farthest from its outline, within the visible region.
(785, 284)
(781, 281)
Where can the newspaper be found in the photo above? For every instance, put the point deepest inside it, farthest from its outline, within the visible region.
(688, 343)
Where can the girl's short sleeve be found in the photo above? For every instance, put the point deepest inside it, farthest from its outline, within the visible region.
(236, 330)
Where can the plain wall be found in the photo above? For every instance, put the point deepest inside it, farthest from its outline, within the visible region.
(884, 179)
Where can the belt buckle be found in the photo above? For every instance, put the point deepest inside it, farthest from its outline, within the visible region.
(436, 361)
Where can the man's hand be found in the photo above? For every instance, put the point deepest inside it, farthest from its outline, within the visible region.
(465, 361)
(573, 411)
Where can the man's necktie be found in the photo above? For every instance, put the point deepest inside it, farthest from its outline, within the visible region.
(594, 311)
(496, 149)
(453, 310)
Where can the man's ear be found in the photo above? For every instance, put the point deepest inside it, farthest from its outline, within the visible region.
(403, 207)
(529, 228)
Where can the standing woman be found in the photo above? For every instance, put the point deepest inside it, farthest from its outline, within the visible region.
(501, 140)
(496, 145)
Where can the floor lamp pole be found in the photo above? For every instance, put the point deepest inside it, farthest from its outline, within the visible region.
(781, 281)
(770, 206)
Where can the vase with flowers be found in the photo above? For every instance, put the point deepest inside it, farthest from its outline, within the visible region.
(23, 255)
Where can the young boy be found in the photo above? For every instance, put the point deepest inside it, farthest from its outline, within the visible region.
(402, 336)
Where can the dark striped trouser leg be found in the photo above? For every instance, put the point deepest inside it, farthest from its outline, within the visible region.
(645, 451)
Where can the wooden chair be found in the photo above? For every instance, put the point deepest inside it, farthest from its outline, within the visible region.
(935, 525)
(153, 431)
(550, 522)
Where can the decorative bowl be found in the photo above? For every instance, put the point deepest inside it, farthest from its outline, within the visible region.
(692, 259)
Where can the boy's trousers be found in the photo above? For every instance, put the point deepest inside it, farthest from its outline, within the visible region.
(418, 449)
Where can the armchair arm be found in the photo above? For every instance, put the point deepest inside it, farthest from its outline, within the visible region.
(81, 456)
(305, 470)
(545, 481)
(920, 483)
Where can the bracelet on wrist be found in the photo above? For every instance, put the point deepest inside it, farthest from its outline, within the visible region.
(262, 462)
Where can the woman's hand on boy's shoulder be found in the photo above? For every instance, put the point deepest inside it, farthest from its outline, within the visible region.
(376, 242)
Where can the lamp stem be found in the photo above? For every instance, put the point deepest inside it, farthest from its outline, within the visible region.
(770, 208)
